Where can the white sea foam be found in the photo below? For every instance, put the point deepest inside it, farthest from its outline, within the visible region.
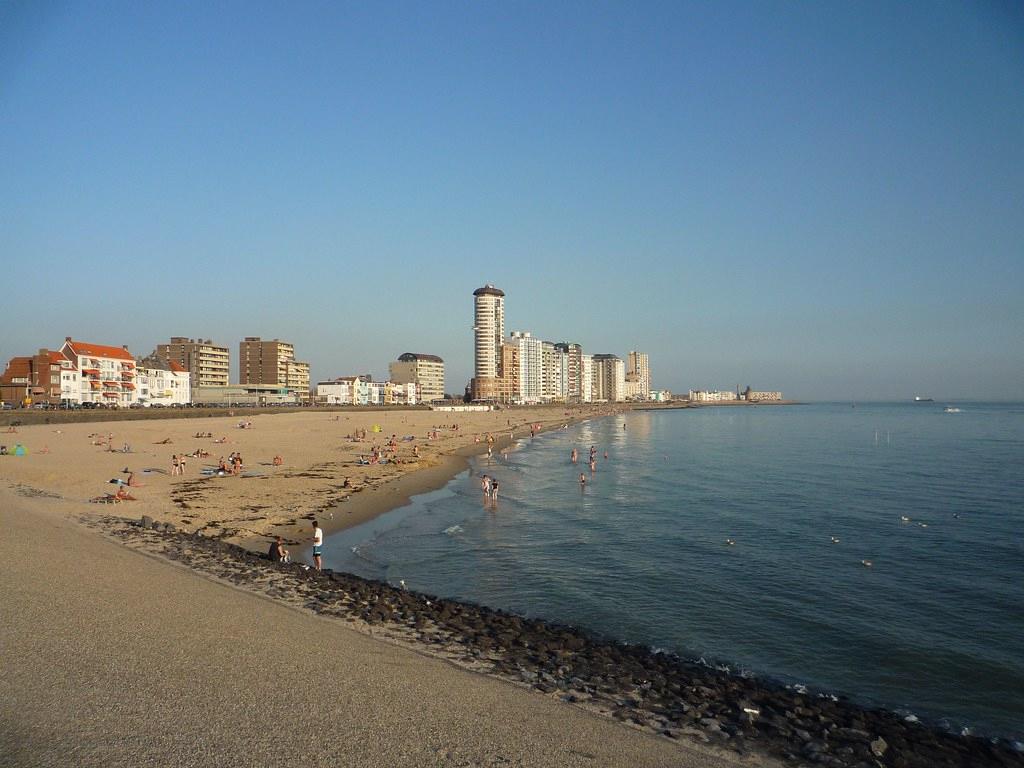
(452, 530)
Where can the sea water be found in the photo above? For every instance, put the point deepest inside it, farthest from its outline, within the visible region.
(876, 549)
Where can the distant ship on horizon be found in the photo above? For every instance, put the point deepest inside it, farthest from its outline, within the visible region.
(920, 399)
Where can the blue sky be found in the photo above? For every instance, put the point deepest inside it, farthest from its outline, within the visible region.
(824, 198)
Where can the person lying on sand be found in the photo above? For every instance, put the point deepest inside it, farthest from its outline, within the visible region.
(165, 441)
(113, 498)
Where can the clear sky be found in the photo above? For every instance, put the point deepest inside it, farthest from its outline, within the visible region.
(823, 198)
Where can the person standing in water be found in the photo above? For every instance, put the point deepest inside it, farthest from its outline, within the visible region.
(574, 455)
(318, 544)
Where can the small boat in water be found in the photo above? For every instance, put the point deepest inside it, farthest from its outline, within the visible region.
(921, 399)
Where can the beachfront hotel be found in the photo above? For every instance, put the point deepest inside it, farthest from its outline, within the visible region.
(425, 371)
(208, 365)
(271, 363)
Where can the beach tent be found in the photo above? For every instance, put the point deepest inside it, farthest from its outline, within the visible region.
(19, 450)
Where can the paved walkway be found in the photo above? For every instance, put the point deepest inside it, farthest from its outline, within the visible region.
(112, 658)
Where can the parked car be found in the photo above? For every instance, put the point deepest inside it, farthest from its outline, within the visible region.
(6, 406)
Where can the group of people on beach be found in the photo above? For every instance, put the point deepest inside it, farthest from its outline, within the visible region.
(489, 485)
(232, 465)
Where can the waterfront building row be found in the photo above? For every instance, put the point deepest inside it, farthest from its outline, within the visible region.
(83, 373)
(523, 369)
(363, 390)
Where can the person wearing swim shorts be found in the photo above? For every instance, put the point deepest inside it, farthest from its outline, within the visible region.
(318, 544)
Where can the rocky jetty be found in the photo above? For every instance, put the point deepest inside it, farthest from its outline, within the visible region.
(659, 692)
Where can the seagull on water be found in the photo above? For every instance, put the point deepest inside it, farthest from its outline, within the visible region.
(904, 519)
(730, 542)
(835, 539)
(866, 563)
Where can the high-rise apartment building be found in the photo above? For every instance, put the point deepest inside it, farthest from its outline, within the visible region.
(609, 379)
(208, 364)
(586, 378)
(271, 363)
(573, 371)
(531, 367)
(489, 329)
(425, 371)
(488, 336)
(638, 376)
(555, 379)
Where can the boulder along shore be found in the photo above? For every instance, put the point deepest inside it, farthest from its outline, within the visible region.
(657, 692)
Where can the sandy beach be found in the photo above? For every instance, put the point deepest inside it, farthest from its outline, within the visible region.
(113, 656)
(319, 451)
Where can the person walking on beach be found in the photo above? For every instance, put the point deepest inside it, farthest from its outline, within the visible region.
(318, 544)
(494, 490)
(175, 467)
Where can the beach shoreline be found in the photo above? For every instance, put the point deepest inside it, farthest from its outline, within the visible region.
(678, 700)
(400, 491)
(297, 466)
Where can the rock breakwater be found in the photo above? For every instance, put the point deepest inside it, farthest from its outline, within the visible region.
(658, 692)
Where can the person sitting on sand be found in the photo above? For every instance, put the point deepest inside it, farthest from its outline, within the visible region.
(277, 553)
(278, 461)
(123, 495)
(132, 482)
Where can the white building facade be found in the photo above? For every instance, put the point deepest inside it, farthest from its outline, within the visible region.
(106, 375)
(170, 386)
(586, 378)
(530, 387)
